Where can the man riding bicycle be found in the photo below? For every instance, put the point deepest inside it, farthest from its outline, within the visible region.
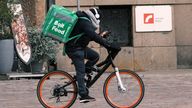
(77, 49)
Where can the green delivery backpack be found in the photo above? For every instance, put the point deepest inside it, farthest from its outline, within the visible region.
(59, 23)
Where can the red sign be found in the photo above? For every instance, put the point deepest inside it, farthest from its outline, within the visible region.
(148, 18)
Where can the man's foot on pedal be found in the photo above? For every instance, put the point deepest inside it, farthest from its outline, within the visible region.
(86, 99)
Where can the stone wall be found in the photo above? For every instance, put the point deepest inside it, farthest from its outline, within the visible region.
(150, 51)
(183, 19)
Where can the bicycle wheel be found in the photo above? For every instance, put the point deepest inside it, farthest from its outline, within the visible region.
(57, 89)
(129, 98)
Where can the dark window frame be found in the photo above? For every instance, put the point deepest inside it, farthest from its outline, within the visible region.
(120, 24)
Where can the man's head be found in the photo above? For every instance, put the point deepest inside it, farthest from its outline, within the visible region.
(95, 15)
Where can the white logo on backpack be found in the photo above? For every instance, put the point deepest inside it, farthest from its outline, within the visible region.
(57, 27)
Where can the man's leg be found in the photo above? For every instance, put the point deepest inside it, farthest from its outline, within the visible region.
(78, 60)
(92, 57)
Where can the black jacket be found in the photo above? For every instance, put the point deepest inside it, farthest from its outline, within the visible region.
(86, 27)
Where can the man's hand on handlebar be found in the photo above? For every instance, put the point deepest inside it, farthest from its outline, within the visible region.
(114, 47)
(104, 34)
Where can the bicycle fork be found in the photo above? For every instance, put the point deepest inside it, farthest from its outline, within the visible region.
(120, 83)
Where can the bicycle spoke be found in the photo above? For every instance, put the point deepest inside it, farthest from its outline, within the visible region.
(120, 98)
(56, 89)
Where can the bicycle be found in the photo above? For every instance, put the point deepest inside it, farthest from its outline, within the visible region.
(122, 88)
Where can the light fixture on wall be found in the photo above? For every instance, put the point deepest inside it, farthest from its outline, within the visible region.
(78, 5)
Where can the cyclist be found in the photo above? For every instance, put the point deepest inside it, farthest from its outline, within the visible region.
(78, 51)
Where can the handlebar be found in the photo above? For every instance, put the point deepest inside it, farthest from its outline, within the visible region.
(112, 53)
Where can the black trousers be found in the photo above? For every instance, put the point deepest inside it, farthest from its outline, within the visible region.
(78, 58)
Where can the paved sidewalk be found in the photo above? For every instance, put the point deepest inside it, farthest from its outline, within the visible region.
(163, 89)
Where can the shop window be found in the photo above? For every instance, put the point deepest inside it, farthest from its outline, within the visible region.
(118, 19)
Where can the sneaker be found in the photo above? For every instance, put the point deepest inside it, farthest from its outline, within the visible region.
(86, 99)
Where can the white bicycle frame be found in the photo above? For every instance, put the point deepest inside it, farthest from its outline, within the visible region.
(120, 83)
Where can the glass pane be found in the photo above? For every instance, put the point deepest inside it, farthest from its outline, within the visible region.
(118, 20)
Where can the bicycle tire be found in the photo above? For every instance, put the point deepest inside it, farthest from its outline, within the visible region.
(116, 101)
(44, 87)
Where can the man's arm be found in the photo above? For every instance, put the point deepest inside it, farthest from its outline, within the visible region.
(89, 30)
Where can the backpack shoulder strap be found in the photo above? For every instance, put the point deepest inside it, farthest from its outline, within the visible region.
(79, 35)
(76, 36)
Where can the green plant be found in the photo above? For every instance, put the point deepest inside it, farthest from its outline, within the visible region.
(43, 48)
(5, 20)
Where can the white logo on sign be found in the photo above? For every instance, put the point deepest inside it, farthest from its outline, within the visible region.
(148, 18)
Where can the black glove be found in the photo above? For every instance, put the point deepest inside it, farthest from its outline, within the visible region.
(114, 47)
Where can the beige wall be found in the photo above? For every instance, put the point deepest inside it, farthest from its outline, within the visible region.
(154, 39)
(154, 58)
(74, 2)
(152, 50)
(119, 2)
(132, 2)
(155, 50)
(183, 19)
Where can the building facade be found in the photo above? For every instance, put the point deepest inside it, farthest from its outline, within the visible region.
(146, 50)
